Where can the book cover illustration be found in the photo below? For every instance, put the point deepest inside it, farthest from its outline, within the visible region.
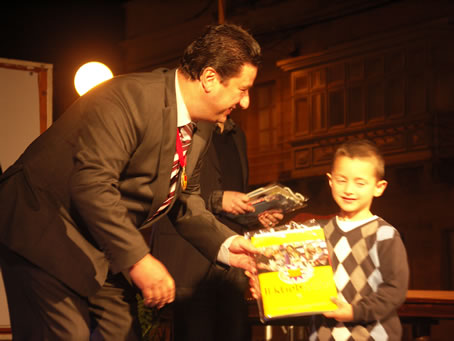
(295, 277)
(273, 197)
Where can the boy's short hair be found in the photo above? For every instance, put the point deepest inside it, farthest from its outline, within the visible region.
(225, 48)
(362, 149)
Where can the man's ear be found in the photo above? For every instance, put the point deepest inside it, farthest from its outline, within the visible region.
(209, 79)
(380, 187)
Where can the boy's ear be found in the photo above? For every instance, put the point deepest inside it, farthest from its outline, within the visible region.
(330, 181)
(209, 79)
(380, 187)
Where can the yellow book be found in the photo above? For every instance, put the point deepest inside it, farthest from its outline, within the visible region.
(295, 276)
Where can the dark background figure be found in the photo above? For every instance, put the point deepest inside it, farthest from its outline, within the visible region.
(225, 170)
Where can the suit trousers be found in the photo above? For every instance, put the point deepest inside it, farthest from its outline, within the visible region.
(43, 308)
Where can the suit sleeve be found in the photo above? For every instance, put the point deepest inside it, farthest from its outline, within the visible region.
(214, 201)
(105, 144)
(192, 219)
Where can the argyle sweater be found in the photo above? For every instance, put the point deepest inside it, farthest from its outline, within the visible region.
(371, 273)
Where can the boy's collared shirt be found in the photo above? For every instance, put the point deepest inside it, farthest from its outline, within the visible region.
(347, 226)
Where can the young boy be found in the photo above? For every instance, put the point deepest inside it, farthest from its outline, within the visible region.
(367, 254)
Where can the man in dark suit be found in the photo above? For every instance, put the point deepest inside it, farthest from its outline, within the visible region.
(71, 251)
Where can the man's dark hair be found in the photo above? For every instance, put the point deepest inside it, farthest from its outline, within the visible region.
(225, 48)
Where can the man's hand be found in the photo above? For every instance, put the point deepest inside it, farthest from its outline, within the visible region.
(270, 218)
(236, 203)
(254, 287)
(155, 282)
(343, 313)
(241, 254)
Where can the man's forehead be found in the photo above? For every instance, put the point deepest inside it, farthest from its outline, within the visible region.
(242, 76)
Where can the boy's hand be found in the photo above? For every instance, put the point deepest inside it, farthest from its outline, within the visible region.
(343, 313)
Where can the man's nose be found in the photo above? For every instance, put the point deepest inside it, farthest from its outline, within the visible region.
(244, 101)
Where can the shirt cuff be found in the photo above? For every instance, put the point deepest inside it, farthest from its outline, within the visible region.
(224, 253)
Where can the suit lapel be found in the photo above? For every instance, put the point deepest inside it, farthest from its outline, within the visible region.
(196, 146)
(199, 144)
(161, 186)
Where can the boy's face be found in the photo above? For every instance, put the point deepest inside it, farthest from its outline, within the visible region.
(353, 185)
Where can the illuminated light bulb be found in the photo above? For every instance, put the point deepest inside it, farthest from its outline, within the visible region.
(89, 75)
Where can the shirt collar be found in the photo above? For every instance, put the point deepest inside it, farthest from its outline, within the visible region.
(348, 226)
(183, 117)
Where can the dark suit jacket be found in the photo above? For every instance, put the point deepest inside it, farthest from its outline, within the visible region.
(211, 181)
(185, 263)
(73, 203)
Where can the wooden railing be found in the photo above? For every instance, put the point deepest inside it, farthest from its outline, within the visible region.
(421, 309)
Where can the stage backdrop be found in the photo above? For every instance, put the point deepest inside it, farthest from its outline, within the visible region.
(25, 112)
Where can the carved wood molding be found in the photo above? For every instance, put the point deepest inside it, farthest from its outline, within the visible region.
(444, 135)
(381, 88)
(439, 29)
(391, 140)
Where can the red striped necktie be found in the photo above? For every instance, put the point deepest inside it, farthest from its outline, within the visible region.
(185, 136)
